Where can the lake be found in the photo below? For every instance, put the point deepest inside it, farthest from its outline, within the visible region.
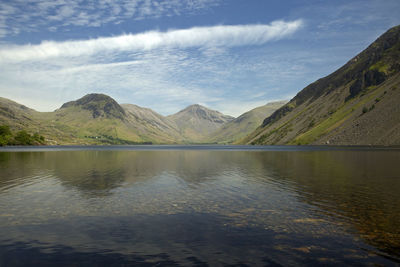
(199, 206)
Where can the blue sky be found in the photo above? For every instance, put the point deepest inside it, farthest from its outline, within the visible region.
(229, 55)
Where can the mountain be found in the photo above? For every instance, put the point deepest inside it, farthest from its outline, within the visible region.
(196, 123)
(356, 105)
(150, 123)
(99, 119)
(20, 117)
(92, 119)
(244, 124)
(16, 114)
(99, 105)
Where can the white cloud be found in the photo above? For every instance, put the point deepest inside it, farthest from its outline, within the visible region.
(165, 71)
(215, 36)
(36, 15)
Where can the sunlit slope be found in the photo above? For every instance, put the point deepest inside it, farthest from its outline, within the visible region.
(20, 117)
(356, 105)
(197, 123)
(98, 118)
(151, 124)
(244, 124)
(92, 119)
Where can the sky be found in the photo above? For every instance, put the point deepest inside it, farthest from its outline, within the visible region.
(228, 55)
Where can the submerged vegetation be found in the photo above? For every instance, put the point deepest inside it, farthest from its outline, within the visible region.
(8, 138)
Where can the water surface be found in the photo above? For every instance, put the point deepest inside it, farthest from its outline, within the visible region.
(219, 206)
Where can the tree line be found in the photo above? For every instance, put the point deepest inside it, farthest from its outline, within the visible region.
(22, 138)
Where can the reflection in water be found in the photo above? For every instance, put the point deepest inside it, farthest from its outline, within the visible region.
(196, 207)
(360, 188)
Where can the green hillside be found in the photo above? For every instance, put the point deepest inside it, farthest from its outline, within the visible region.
(99, 119)
(243, 125)
(355, 105)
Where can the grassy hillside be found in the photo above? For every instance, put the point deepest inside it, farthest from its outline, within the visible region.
(354, 105)
(196, 123)
(149, 123)
(19, 118)
(93, 119)
(244, 124)
(99, 119)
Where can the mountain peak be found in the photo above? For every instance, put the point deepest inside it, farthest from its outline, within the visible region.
(204, 113)
(99, 104)
(194, 107)
(197, 122)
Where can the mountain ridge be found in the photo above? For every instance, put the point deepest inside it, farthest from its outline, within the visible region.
(235, 130)
(341, 101)
(99, 104)
(99, 119)
(355, 105)
(197, 122)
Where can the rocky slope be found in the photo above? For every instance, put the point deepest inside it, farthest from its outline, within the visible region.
(99, 105)
(243, 125)
(355, 105)
(196, 123)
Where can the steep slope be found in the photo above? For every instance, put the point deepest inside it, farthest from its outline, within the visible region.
(357, 104)
(97, 118)
(20, 117)
(99, 105)
(17, 115)
(244, 124)
(150, 123)
(196, 123)
(92, 119)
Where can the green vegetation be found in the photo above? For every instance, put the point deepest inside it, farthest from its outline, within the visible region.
(312, 123)
(336, 119)
(5, 135)
(107, 139)
(355, 89)
(381, 66)
(22, 138)
(243, 125)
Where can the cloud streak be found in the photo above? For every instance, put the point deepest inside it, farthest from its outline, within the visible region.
(38, 15)
(215, 36)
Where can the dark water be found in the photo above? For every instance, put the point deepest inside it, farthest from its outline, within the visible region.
(198, 206)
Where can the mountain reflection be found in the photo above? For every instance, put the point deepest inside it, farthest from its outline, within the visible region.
(99, 172)
(280, 191)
